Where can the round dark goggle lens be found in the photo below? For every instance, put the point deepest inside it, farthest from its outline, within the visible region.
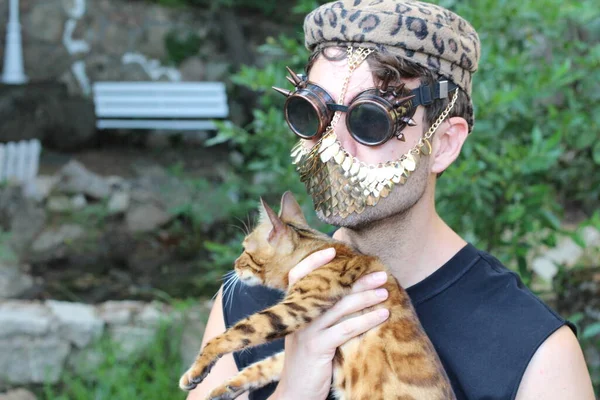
(302, 117)
(369, 124)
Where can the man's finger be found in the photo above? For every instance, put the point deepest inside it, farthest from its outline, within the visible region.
(339, 334)
(370, 281)
(349, 304)
(310, 263)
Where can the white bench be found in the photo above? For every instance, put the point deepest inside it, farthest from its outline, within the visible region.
(19, 161)
(159, 105)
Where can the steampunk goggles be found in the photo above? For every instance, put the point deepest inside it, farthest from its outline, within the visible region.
(373, 117)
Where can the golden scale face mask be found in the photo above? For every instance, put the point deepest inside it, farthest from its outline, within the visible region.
(338, 182)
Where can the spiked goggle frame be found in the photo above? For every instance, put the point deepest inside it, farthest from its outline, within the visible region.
(372, 118)
(339, 183)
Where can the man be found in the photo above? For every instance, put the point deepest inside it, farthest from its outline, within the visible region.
(384, 110)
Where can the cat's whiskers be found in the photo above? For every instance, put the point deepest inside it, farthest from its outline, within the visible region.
(231, 279)
(237, 282)
(240, 228)
(225, 278)
(245, 350)
(400, 338)
(247, 227)
(253, 222)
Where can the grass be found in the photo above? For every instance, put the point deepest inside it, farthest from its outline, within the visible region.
(151, 376)
(154, 375)
(7, 254)
(589, 336)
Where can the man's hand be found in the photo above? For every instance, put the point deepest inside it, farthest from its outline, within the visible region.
(309, 353)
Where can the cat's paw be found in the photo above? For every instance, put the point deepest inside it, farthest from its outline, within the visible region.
(196, 374)
(225, 392)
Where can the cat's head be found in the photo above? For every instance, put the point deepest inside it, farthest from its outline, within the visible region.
(276, 245)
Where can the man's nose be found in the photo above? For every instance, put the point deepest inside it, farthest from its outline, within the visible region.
(343, 135)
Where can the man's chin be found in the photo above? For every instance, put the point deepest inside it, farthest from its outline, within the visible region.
(398, 203)
(352, 221)
(391, 206)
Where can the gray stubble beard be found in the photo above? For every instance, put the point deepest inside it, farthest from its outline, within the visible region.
(397, 204)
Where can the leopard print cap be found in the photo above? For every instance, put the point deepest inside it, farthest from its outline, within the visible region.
(424, 33)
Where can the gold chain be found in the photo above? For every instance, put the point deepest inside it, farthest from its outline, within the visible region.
(442, 117)
(355, 58)
(424, 141)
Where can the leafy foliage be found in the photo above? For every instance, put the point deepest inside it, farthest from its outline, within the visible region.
(152, 376)
(534, 148)
(268, 8)
(589, 337)
(179, 47)
(7, 254)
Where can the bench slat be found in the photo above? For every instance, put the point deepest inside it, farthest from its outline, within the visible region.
(154, 124)
(158, 93)
(160, 111)
(104, 87)
(145, 105)
(191, 100)
(218, 96)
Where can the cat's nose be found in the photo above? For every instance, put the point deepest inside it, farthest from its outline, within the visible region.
(239, 262)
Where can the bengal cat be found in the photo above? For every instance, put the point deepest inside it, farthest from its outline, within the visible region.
(394, 360)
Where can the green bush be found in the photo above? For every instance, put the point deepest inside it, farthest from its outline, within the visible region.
(264, 146)
(153, 376)
(589, 336)
(7, 253)
(534, 148)
(179, 47)
(268, 8)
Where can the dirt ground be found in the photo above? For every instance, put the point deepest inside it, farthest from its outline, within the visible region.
(119, 155)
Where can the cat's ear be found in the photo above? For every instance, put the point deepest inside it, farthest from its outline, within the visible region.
(279, 227)
(290, 209)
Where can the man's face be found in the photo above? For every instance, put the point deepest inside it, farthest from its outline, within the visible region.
(331, 75)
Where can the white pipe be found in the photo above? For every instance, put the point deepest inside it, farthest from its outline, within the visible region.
(13, 72)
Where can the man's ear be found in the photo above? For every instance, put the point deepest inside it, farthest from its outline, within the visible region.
(278, 227)
(290, 209)
(448, 143)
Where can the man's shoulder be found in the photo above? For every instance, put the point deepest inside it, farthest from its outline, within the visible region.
(475, 284)
(557, 370)
(504, 302)
(487, 319)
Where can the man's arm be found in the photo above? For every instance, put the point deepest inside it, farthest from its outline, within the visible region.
(225, 368)
(557, 371)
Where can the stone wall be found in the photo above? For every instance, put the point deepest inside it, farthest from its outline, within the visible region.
(102, 238)
(39, 341)
(99, 239)
(81, 41)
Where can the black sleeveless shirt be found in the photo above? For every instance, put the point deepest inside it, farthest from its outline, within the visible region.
(484, 323)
